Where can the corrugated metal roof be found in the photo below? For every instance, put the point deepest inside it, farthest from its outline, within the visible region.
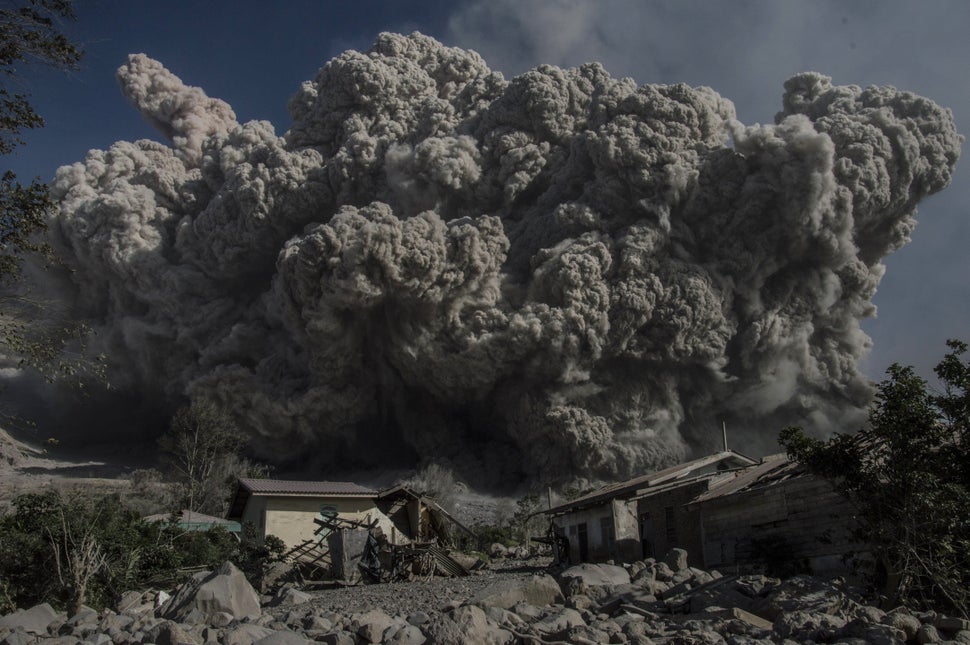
(303, 488)
(653, 479)
(773, 469)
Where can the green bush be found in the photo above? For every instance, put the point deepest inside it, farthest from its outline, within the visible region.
(43, 531)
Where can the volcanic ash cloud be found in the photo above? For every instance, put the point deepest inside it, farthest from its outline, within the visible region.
(556, 276)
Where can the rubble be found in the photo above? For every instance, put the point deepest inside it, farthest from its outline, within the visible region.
(590, 603)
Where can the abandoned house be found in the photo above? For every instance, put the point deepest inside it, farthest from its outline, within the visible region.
(726, 510)
(287, 509)
(776, 513)
(296, 511)
(644, 516)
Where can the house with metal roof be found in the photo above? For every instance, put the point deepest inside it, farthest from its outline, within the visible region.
(299, 512)
(644, 516)
(778, 516)
(287, 508)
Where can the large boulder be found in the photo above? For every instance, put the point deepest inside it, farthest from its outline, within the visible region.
(594, 580)
(676, 559)
(806, 594)
(537, 590)
(597, 575)
(441, 630)
(371, 625)
(169, 633)
(34, 620)
(224, 590)
(246, 634)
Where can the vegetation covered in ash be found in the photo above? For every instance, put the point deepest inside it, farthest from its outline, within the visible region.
(908, 474)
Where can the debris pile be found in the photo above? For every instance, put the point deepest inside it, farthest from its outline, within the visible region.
(351, 551)
(648, 601)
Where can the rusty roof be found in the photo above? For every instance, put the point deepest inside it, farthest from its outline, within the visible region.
(246, 488)
(288, 487)
(772, 470)
(631, 486)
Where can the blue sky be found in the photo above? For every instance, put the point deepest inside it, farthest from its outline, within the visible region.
(254, 55)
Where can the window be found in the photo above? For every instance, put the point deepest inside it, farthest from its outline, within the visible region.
(608, 533)
(671, 521)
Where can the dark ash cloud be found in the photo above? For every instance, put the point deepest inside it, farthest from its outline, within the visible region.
(555, 276)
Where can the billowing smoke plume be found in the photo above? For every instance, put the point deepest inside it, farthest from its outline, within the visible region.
(555, 276)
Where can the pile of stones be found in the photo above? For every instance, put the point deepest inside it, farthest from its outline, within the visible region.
(650, 601)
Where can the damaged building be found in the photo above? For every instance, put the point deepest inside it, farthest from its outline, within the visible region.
(343, 528)
(726, 510)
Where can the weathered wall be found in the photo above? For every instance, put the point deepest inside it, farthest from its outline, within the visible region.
(801, 519)
(291, 518)
(627, 531)
(685, 532)
(600, 548)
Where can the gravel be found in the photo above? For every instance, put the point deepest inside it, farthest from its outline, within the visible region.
(404, 598)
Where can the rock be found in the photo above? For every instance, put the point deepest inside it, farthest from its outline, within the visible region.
(407, 635)
(290, 596)
(746, 617)
(370, 626)
(169, 633)
(472, 622)
(246, 634)
(723, 595)
(803, 593)
(338, 638)
(442, 630)
(497, 551)
(224, 590)
(557, 622)
(634, 568)
(116, 621)
(962, 636)
(504, 617)
(274, 575)
(661, 571)
(221, 619)
(676, 559)
(128, 599)
(536, 590)
(84, 615)
(927, 633)
(803, 625)
(317, 624)
(951, 624)
(468, 562)
(588, 636)
(580, 602)
(596, 575)
(418, 618)
(753, 586)
(283, 638)
(869, 614)
(34, 620)
(645, 574)
(675, 593)
(527, 612)
(901, 619)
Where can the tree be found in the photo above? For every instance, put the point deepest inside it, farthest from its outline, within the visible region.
(29, 33)
(74, 549)
(204, 450)
(908, 475)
